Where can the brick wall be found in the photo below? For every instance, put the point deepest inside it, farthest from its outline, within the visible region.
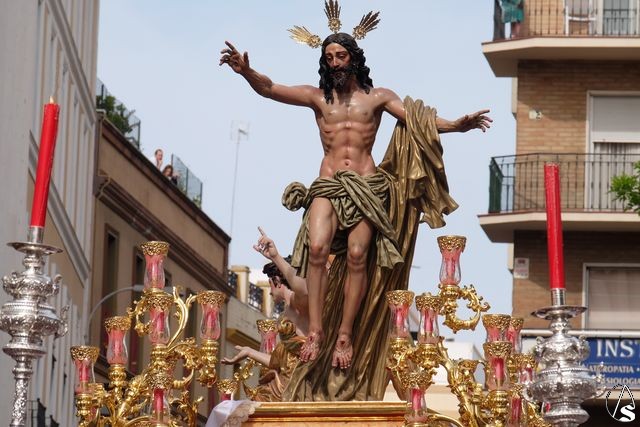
(579, 248)
(559, 90)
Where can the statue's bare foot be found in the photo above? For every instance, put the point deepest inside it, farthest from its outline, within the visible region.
(343, 352)
(311, 347)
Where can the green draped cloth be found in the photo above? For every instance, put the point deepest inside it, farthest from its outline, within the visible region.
(409, 187)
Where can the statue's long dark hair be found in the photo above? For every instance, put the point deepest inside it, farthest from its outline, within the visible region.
(357, 61)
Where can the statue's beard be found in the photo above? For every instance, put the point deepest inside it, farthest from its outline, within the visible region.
(340, 76)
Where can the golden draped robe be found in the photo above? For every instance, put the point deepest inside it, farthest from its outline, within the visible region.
(417, 191)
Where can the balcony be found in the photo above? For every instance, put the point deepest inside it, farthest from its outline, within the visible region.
(517, 197)
(567, 30)
(118, 114)
(187, 181)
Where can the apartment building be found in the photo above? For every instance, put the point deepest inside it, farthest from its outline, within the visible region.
(575, 66)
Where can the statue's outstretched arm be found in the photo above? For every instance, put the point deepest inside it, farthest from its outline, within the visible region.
(263, 85)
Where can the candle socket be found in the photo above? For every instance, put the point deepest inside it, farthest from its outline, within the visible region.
(558, 296)
(35, 234)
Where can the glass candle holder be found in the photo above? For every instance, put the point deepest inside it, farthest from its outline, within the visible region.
(417, 382)
(268, 333)
(497, 374)
(517, 408)
(159, 411)
(210, 303)
(399, 302)
(84, 358)
(154, 255)
(226, 389)
(429, 306)
(513, 333)
(496, 326)
(525, 364)
(451, 247)
(158, 328)
(117, 328)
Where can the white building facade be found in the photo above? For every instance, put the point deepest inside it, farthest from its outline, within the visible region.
(48, 48)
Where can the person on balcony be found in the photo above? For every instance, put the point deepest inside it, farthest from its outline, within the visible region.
(513, 14)
(168, 172)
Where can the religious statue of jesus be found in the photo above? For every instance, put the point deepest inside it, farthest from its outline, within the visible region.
(351, 196)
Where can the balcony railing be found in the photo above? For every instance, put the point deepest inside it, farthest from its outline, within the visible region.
(516, 183)
(188, 183)
(256, 295)
(232, 281)
(591, 18)
(124, 120)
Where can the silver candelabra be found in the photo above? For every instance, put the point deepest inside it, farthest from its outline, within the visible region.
(28, 318)
(563, 382)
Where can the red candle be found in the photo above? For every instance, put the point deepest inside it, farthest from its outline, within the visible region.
(554, 226)
(45, 163)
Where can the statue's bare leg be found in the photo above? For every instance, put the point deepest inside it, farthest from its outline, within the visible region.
(354, 290)
(323, 223)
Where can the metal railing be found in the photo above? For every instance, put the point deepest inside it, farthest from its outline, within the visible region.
(188, 183)
(516, 183)
(591, 18)
(118, 114)
(232, 281)
(256, 296)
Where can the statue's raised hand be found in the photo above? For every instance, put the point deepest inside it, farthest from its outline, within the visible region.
(238, 62)
(477, 120)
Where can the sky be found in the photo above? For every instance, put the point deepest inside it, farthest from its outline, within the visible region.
(160, 58)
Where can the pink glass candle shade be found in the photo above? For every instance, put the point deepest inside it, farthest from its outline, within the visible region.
(159, 328)
(84, 374)
(226, 389)
(210, 303)
(159, 407)
(496, 326)
(84, 358)
(154, 273)
(418, 411)
(117, 328)
(400, 321)
(450, 247)
(517, 417)
(210, 325)
(514, 333)
(268, 342)
(154, 255)
(498, 372)
(450, 268)
(428, 327)
(496, 354)
(399, 302)
(417, 384)
(117, 349)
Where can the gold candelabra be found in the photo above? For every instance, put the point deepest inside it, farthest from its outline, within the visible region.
(154, 397)
(501, 400)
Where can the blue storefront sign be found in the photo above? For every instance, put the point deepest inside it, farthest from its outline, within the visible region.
(621, 358)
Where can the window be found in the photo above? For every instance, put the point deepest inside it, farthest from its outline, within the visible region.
(615, 143)
(613, 297)
(135, 342)
(620, 17)
(109, 282)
